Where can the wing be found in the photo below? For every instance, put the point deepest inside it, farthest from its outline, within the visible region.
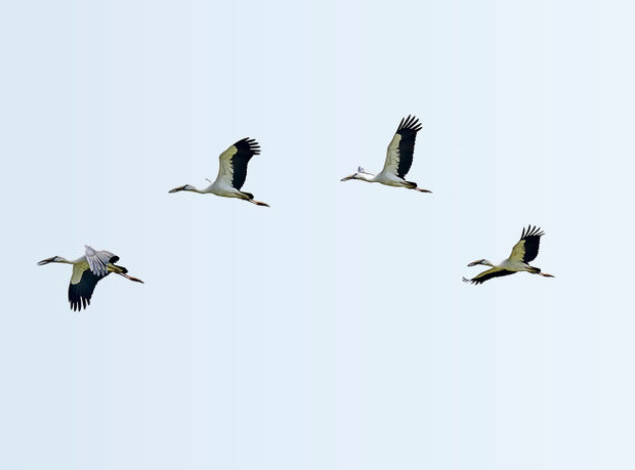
(527, 247)
(233, 162)
(80, 290)
(98, 260)
(402, 147)
(489, 274)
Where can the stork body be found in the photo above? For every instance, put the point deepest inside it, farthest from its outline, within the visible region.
(398, 158)
(87, 272)
(522, 254)
(232, 172)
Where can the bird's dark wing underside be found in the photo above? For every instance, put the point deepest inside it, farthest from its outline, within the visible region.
(531, 236)
(245, 149)
(79, 294)
(408, 129)
(490, 274)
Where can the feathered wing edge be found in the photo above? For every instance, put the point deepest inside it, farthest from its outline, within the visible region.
(530, 238)
(487, 275)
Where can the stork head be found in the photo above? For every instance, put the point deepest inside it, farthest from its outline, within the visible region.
(54, 259)
(484, 262)
(360, 174)
(187, 187)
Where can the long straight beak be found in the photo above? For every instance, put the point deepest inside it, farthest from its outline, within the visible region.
(45, 261)
(475, 263)
(346, 178)
(176, 190)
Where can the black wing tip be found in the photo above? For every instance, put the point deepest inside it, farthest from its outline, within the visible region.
(531, 231)
(76, 304)
(410, 123)
(253, 145)
(482, 277)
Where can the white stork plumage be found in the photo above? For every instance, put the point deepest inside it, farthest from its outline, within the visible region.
(232, 173)
(522, 254)
(398, 158)
(87, 272)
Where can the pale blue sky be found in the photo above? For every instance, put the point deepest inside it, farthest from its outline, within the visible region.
(331, 331)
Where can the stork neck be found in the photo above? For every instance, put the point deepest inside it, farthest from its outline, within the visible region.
(366, 177)
(195, 190)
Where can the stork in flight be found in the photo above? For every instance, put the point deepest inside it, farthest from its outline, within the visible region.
(87, 272)
(232, 173)
(398, 158)
(523, 252)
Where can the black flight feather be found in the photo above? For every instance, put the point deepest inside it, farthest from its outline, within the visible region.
(408, 128)
(531, 235)
(79, 294)
(482, 279)
(245, 149)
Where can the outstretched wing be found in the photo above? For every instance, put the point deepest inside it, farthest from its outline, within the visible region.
(402, 147)
(527, 247)
(489, 274)
(98, 260)
(83, 282)
(233, 162)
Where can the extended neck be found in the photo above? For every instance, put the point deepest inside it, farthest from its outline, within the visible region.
(368, 177)
(195, 190)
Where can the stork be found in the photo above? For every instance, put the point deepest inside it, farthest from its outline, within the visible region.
(87, 272)
(232, 173)
(523, 252)
(398, 158)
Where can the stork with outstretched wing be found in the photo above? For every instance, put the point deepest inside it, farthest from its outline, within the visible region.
(232, 173)
(87, 272)
(398, 158)
(523, 253)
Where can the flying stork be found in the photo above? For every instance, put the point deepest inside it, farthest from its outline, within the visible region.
(398, 158)
(523, 252)
(232, 173)
(87, 272)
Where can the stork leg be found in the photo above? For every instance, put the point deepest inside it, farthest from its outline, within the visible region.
(134, 279)
(250, 197)
(258, 203)
(413, 185)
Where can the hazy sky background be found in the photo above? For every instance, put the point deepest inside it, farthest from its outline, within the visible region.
(331, 331)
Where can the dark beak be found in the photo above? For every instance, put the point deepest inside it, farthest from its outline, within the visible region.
(176, 190)
(46, 261)
(475, 263)
(346, 178)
